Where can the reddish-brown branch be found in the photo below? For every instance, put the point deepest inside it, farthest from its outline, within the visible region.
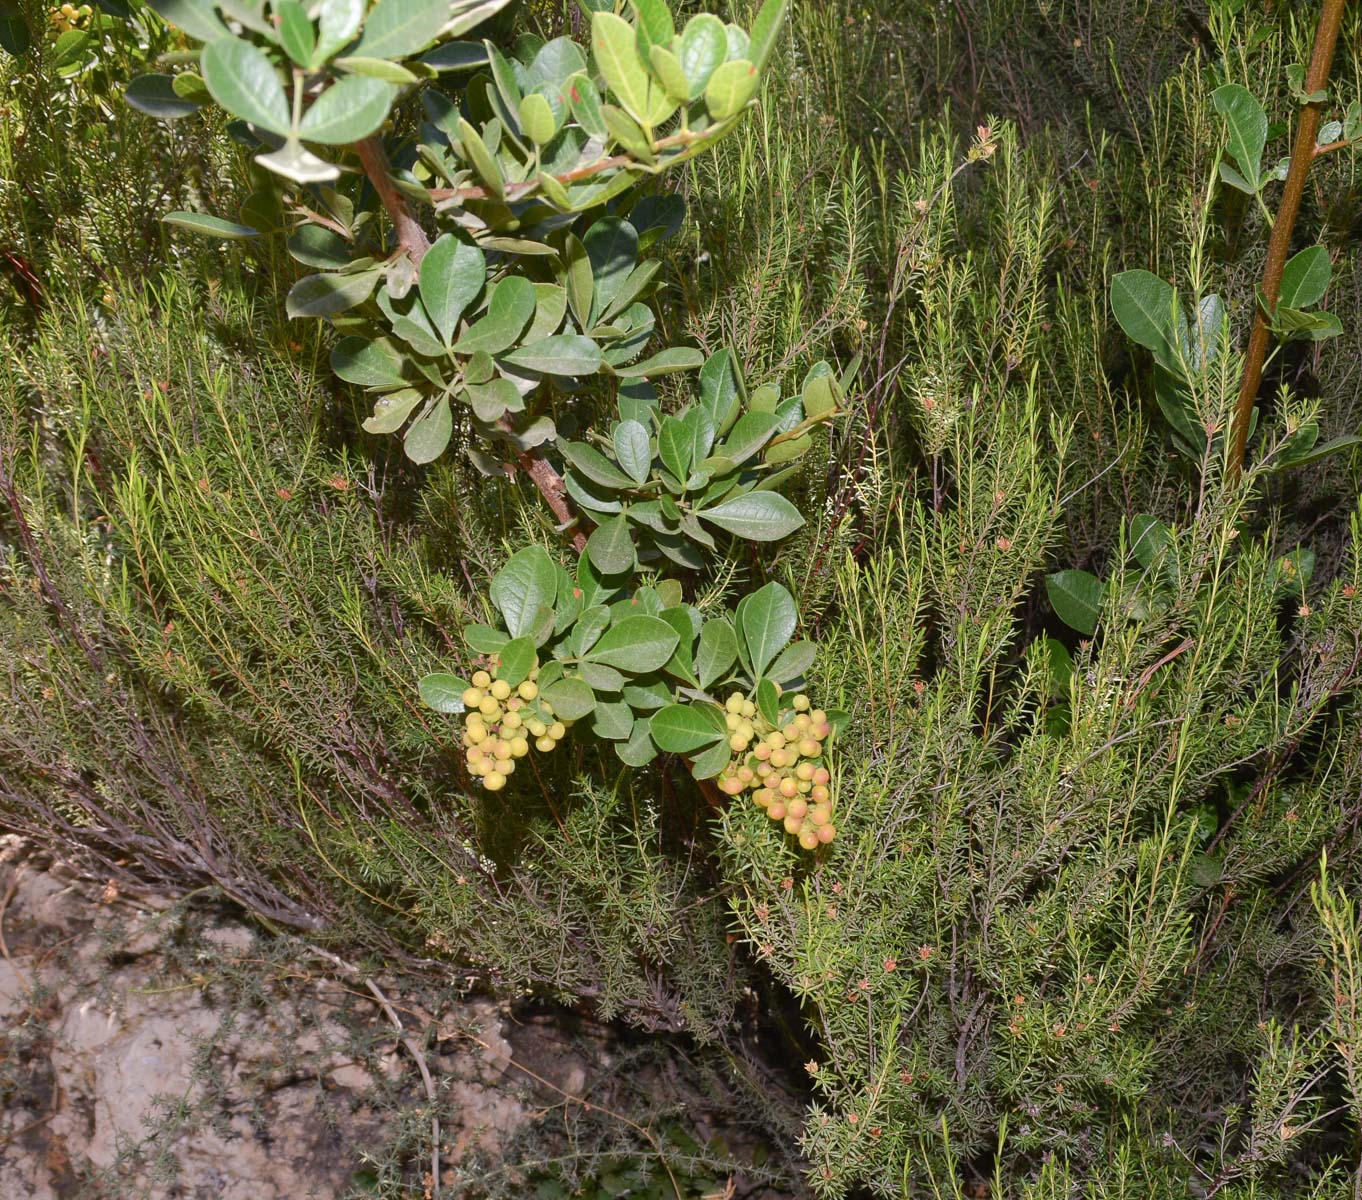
(1279, 247)
(554, 491)
(410, 236)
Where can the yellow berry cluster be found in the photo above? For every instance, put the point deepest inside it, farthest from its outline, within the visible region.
(502, 722)
(782, 767)
(68, 16)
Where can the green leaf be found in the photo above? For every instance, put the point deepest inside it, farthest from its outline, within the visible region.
(536, 119)
(484, 163)
(757, 516)
(612, 249)
(350, 109)
(613, 721)
(429, 434)
(456, 56)
(636, 644)
(655, 26)
(768, 701)
(369, 362)
(585, 102)
(668, 70)
(682, 728)
(377, 68)
(1146, 309)
(709, 763)
(1149, 537)
(314, 246)
(338, 21)
(508, 313)
(484, 639)
(565, 354)
(196, 17)
(156, 96)
(765, 31)
(665, 362)
(614, 46)
(211, 227)
(517, 660)
(396, 28)
(1305, 278)
(572, 699)
(296, 34)
(595, 466)
(793, 662)
(703, 48)
(527, 583)
(442, 692)
(633, 449)
(718, 650)
(768, 619)
(392, 410)
(1247, 129)
(639, 750)
(243, 81)
(452, 274)
(326, 295)
(1076, 597)
(610, 547)
(730, 88)
(673, 447)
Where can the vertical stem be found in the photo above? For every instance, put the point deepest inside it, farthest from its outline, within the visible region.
(410, 236)
(412, 239)
(1302, 155)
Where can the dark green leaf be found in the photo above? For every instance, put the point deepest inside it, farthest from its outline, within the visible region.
(664, 362)
(369, 363)
(156, 96)
(718, 650)
(210, 227)
(1247, 128)
(243, 81)
(517, 660)
(792, 662)
(595, 466)
(442, 692)
(1146, 308)
(610, 547)
(326, 295)
(452, 274)
(565, 354)
(1076, 597)
(350, 109)
(682, 728)
(508, 313)
(633, 450)
(527, 583)
(757, 516)
(1305, 278)
(768, 701)
(636, 645)
(709, 763)
(767, 620)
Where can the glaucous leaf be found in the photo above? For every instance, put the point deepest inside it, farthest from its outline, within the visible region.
(517, 660)
(702, 50)
(397, 28)
(349, 110)
(767, 620)
(509, 311)
(527, 583)
(1247, 129)
(326, 295)
(565, 354)
(683, 728)
(717, 652)
(636, 644)
(633, 450)
(451, 278)
(1146, 309)
(442, 692)
(392, 410)
(243, 81)
(610, 547)
(428, 435)
(756, 516)
(210, 227)
(730, 88)
(572, 699)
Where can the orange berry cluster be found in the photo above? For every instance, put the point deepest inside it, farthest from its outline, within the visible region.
(781, 766)
(501, 724)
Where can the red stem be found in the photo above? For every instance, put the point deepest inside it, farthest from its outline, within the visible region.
(1279, 247)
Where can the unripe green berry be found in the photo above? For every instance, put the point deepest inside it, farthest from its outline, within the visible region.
(749, 709)
(536, 727)
(489, 707)
(519, 747)
(737, 743)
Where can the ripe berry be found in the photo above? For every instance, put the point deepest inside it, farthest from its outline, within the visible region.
(476, 733)
(762, 751)
(472, 697)
(511, 720)
(793, 824)
(732, 785)
(820, 793)
(797, 807)
(734, 703)
(810, 748)
(826, 833)
(749, 709)
(776, 810)
(494, 781)
(738, 743)
(528, 690)
(818, 716)
(779, 758)
(808, 839)
(557, 731)
(763, 797)
(788, 788)
(775, 739)
(544, 744)
(481, 679)
(791, 732)
(519, 747)
(820, 814)
(820, 775)
(501, 689)
(801, 702)
(489, 707)
(804, 771)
